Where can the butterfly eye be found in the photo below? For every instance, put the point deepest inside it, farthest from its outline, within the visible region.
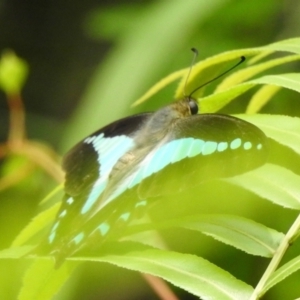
(193, 107)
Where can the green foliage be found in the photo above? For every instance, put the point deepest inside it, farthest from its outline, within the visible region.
(230, 244)
(193, 273)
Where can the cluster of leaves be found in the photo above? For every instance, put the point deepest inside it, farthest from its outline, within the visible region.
(187, 271)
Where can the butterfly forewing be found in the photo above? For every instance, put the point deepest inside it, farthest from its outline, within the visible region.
(82, 162)
(87, 166)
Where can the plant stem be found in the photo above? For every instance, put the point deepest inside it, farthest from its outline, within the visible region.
(289, 237)
(17, 119)
(42, 156)
(160, 287)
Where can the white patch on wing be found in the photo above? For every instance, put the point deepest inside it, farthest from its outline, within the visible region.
(109, 151)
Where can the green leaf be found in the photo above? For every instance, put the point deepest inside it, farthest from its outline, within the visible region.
(215, 102)
(242, 233)
(208, 68)
(218, 100)
(261, 98)
(42, 281)
(289, 81)
(189, 272)
(246, 73)
(36, 225)
(290, 45)
(52, 194)
(15, 252)
(205, 70)
(274, 183)
(284, 271)
(283, 129)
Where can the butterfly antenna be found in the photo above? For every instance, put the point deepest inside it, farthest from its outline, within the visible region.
(190, 69)
(243, 58)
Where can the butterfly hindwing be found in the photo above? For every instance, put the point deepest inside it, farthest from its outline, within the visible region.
(199, 148)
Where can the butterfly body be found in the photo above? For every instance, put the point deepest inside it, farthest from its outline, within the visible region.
(114, 171)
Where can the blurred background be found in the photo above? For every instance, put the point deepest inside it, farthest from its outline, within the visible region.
(88, 62)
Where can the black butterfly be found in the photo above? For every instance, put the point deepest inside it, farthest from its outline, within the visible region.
(112, 173)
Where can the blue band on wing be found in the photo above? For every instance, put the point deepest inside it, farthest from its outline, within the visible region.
(174, 151)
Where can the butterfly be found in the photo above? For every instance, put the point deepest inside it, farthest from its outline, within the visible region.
(113, 173)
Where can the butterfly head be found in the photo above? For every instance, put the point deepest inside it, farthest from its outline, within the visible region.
(193, 105)
(185, 107)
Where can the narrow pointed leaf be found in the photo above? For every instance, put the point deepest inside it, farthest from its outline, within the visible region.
(42, 281)
(36, 225)
(274, 183)
(261, 98)
(218, 100)
(283, 129)
(215, 102)
(189, 272)
(289, 81)
(246, 73)
(203, 69)
(15, 252)
(209, 68)
(290, 45)
(52, 194)
(201, 72)
(242, 233)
